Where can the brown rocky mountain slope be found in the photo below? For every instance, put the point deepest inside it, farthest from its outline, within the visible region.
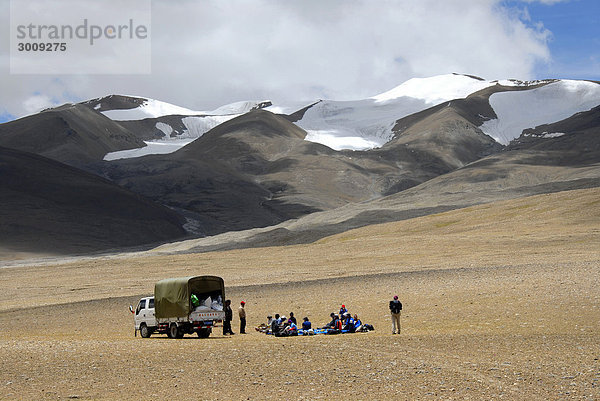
(54, 209)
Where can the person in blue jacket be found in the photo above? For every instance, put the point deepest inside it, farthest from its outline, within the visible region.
(306, 325)
(348, 323)
(291, 329)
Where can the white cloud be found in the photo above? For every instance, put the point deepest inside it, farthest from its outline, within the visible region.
(36, 103)
(208, 53)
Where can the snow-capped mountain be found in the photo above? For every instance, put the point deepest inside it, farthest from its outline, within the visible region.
(177, 132)
(518, 105)
(369, 123)
(501, 109)
(355, 125)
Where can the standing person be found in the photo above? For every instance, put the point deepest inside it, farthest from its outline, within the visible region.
(228, 318)
(395, 309)
(242, 314)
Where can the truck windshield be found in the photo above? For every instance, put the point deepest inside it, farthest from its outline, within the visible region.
(140, 306)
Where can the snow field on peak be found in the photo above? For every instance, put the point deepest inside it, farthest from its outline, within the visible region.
(435, 90)
(195, 128)
(237, 107)
(197, 123)
(288, 107)
(198, 126)
(367, 124)
(149, 109)
(152, 108)
(519, 110)
(355, 125)
(165, 128)
(334, 141)
(160, 147)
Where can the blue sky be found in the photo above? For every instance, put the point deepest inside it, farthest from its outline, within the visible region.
(6, 117)
(575, 41)
(207, 53)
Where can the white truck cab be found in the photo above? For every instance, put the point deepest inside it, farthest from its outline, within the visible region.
(144, 318)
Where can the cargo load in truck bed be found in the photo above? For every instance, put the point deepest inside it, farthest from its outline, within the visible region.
(172, 296)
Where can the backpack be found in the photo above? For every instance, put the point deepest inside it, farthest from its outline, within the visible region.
(395, 307)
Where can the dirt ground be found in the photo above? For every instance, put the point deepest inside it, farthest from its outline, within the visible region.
(501, 301)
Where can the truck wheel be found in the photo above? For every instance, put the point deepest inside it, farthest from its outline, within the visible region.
(204, 333)
(173, 331)
(144, 331)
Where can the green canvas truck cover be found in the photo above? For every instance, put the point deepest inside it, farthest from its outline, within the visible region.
(172, 295)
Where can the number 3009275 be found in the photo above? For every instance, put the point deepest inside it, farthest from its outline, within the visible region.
(41, 47)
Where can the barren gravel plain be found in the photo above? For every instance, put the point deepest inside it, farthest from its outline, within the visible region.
(501, 301)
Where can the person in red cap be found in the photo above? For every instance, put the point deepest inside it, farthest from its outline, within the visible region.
(395, 309)
(242, 314)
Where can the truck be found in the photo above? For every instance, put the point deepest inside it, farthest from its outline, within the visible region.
(183, 305)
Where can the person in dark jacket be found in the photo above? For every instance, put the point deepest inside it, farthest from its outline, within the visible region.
(275, 324)
(332, 324)
(228, 318)
(395, 309)
(292, 318)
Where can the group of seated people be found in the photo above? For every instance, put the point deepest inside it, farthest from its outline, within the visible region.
(283, 326)
(343, 322)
